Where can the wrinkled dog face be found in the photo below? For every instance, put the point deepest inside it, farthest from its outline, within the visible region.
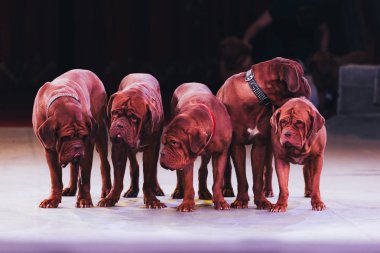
(293, 131)
(127, 115)
(296, 123)
(68, 137)
(68, 132)
(174, 155)
(71, 144)
(182, 144)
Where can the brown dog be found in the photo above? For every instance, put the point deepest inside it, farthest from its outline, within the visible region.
(280, 79)
(298, 136)
(69, 116)
(200, 125)
(136, 125)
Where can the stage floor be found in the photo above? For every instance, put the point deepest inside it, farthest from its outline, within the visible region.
(350, 187)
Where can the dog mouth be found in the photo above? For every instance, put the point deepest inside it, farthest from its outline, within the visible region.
(169, 167)
(117, 139)
(75, 161)
(289, 146)
(63, 164)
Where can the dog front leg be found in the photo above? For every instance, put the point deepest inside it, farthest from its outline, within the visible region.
(219, 165)
(188, 203)
(119, 161)
(282, 171)
(56, 181)
(84, 196)
(316, 169)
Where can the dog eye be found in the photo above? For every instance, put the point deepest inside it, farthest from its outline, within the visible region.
(133, 118)
(283, 122)
(299, 124)
(117, 112)
(174, 143)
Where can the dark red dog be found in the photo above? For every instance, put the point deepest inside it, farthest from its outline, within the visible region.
(280, 79)
(136, 125)
(200, 125)
(298, 136)
(69, 116)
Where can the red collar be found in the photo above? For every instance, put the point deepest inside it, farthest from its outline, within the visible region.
(212, 117)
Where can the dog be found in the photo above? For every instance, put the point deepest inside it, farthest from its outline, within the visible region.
(69, 117)
(200, 126)
(136, 120)
(324, 68)
(279, 79)
(235, 57)
(299, 137)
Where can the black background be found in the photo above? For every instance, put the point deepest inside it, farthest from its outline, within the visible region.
(176, 41)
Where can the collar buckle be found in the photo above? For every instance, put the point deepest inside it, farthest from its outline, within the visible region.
(259, 93)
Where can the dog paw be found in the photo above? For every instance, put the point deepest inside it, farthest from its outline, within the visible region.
(228, 192)
(221, 205)
(262, 204)
(84, 202)
(268, 193)
(105, 192)
(69, 191)
(277, 208)
(131, 193)
(159, 191)
(186, 206)
(205, 194)
(154, 203)
(239, 204)
(318, 206)
(50, 203)
(177, 194)
(107, 202)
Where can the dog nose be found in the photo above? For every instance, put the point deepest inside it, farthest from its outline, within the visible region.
(75, 160)
(288, 134)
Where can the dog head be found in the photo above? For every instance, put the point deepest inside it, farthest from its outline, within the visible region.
(183, 140)
(130, 114)
(68, 131)
(281, 79)
(296, 123)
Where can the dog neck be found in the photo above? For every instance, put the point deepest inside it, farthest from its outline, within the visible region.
(212, 118)
(259, 93)
(56, 96)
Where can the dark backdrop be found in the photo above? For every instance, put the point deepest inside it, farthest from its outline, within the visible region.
(176, 41)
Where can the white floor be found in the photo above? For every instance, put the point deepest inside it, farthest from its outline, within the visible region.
(350, 188)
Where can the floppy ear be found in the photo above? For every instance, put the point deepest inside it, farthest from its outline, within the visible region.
(274, 120)
(92, 127)
(46, 133)
(153, 115)
(291, 73)
(316, 122)
(197, 139)
(109, 106)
